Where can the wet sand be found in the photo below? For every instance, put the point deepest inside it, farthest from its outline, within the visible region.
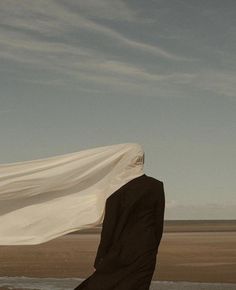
(71, 283)
(182, 256)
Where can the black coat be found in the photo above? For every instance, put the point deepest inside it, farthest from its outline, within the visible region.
(131, 233)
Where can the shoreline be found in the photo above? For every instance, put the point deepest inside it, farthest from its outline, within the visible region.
(193, 256)
(25, 283)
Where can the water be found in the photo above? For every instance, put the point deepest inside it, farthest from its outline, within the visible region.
(70, 283)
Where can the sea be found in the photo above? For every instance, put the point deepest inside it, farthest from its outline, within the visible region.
(27, 283)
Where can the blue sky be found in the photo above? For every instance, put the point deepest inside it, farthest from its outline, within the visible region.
(82, 74)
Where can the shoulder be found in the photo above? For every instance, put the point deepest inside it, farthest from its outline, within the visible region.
(157, 187)
(155, 182)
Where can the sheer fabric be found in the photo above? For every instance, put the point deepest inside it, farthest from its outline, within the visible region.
(46, 198)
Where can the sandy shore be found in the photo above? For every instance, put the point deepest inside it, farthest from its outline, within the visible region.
(185, 256)
(25, 283)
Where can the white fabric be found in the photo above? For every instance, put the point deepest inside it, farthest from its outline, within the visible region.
(46, 198)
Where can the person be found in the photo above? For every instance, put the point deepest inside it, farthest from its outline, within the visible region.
(132, 230)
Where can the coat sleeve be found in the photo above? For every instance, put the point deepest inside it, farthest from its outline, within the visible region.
(160, 211)
(110, 220)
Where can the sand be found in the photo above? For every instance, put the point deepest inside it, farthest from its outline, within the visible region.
(185, 256)
(71, 283)
(190, 253)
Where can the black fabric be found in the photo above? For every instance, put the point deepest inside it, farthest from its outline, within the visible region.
(131, 233)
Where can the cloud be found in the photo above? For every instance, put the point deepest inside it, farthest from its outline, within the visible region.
(62, 42)
(103, 9)
(209, 210)
(79, 63)
(175, 204)
(219, 82)
(77, 40)
(49, 18)
(171, 203)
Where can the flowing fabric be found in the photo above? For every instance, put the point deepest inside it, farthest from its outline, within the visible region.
(46, 198)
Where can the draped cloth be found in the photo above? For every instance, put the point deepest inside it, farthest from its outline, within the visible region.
(46, 198)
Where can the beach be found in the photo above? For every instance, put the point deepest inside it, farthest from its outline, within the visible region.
(186, 259)
(70, 283)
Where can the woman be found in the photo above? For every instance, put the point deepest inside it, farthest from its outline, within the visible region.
(131, 233)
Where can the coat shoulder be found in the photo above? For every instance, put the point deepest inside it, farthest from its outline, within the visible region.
(156, 181)
(157, 186)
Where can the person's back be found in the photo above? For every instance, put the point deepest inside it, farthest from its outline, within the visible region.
(144, 201)
(131, 233)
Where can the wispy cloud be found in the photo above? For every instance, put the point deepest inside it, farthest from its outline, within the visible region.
(103, 9)
(64, 38)
(220, 82)
(197, 210)
(55, 18)
(81, 39)
(175, 204)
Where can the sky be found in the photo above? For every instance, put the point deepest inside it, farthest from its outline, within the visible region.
(81, 74)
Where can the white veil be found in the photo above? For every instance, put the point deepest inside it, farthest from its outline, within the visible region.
(46, 198)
